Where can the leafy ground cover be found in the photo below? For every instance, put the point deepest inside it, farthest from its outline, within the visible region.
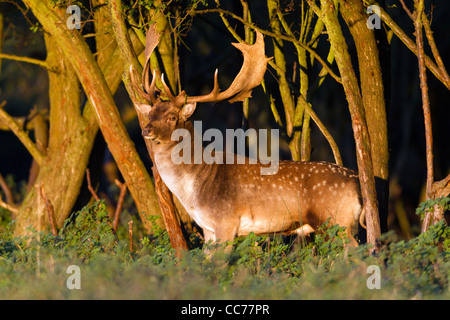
(260, 267)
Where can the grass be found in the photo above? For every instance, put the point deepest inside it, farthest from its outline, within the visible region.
(35, 267)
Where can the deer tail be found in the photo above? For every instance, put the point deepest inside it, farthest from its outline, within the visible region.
(362, 219)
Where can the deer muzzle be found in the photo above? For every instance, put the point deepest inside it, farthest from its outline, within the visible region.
(149, 133)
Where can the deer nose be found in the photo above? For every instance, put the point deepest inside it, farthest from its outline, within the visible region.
(147, 132)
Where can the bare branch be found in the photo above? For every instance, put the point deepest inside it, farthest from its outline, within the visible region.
(9, 207)
(130, 232)
(276, 36)
(27, 122)
(123, 191)
(407, 10)
(434, 49)
(429, 35)
(37, 62)
(419, 8)
(360, 131)
(442, 188)
(91, 189)
(21, 134)
(323, 129)
(7, 191)
(50, 211)
(410, 44)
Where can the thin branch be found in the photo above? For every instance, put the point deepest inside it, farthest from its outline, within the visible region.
(425, 97)
(37, 62)
(50, 211)
(7, 191)
(276, 36)
(26, 122)
(431, 42)
(23, 10)
(434, 49)
(407, 10)
(410, 44)
(21, 134)
(228, 26)
(284, 88)
(275, 113)
(130, 232)
(425, 106)
(88, 178)
(442, 188)
(123, 191)
(323, 129)
(9, 207)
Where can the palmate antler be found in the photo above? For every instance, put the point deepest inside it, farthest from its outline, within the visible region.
(149, 90)
(250, 75)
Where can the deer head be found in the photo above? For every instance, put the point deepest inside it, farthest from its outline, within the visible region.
(167, 115)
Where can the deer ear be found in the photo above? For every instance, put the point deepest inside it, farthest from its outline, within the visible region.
(143, 108)
(188, 109)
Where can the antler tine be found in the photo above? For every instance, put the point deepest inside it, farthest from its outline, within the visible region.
(153, 83)
(211, 97)
(150, 89)
(176, 100)
(137, 86)
(152, 40)
(250, 75)
(167, 89)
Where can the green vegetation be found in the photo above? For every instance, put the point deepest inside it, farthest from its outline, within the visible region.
(260, 267)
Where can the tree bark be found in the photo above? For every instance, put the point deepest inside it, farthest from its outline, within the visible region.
(165, 198)
(419, 9)
(328, 14)
(70, 142)
(285, 91)
(373, 96)
(103, 106)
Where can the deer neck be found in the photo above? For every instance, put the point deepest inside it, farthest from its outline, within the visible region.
(183, 178)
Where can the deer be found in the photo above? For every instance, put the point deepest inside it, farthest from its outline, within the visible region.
(230, 200)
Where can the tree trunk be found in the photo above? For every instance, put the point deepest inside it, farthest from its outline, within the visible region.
(108, 118)
(373, 96)
(70, 143)
(165, 198)
(285, 91)
(328, 14)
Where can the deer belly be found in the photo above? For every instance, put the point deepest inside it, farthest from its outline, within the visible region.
(277, 222)
(201, 219)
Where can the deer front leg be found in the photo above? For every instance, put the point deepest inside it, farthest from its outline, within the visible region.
(304, 231)
(222, 234)
(301, 232)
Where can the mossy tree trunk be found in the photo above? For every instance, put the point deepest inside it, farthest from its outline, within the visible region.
(328, 13)
(373, 96)
(164, 196)
(72, 131)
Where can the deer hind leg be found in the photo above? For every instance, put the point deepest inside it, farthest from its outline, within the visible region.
(352, 241)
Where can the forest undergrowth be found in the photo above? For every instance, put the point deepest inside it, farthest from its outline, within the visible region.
(260, 267)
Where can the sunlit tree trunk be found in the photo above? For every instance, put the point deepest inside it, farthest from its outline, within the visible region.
(72, 132)
(373, 96)
(329, 15)
(166, 50)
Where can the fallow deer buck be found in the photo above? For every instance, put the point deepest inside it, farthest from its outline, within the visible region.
(229, 200)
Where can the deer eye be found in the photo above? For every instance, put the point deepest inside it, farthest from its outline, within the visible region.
(172, 117)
